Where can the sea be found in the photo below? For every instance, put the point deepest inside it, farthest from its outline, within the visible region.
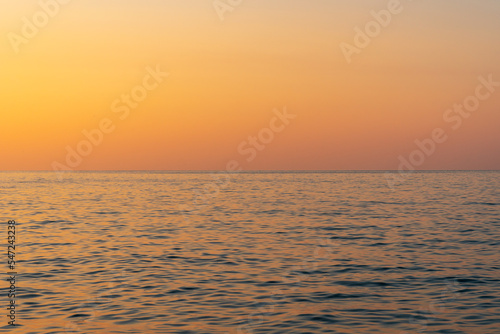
(254, 252)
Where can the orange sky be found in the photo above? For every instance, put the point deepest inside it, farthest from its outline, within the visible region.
(227, 76)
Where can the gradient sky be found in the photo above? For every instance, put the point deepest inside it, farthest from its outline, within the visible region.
(226, 77)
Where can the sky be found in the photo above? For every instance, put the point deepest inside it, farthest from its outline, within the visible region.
(252, 85)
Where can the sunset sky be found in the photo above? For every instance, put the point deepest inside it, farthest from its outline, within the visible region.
(229, 78)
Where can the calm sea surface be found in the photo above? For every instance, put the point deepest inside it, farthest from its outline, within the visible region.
(253, 253)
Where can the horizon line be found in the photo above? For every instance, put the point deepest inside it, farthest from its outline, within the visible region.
(259, 171)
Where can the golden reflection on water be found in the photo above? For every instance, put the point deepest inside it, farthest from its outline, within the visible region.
(114, 253)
